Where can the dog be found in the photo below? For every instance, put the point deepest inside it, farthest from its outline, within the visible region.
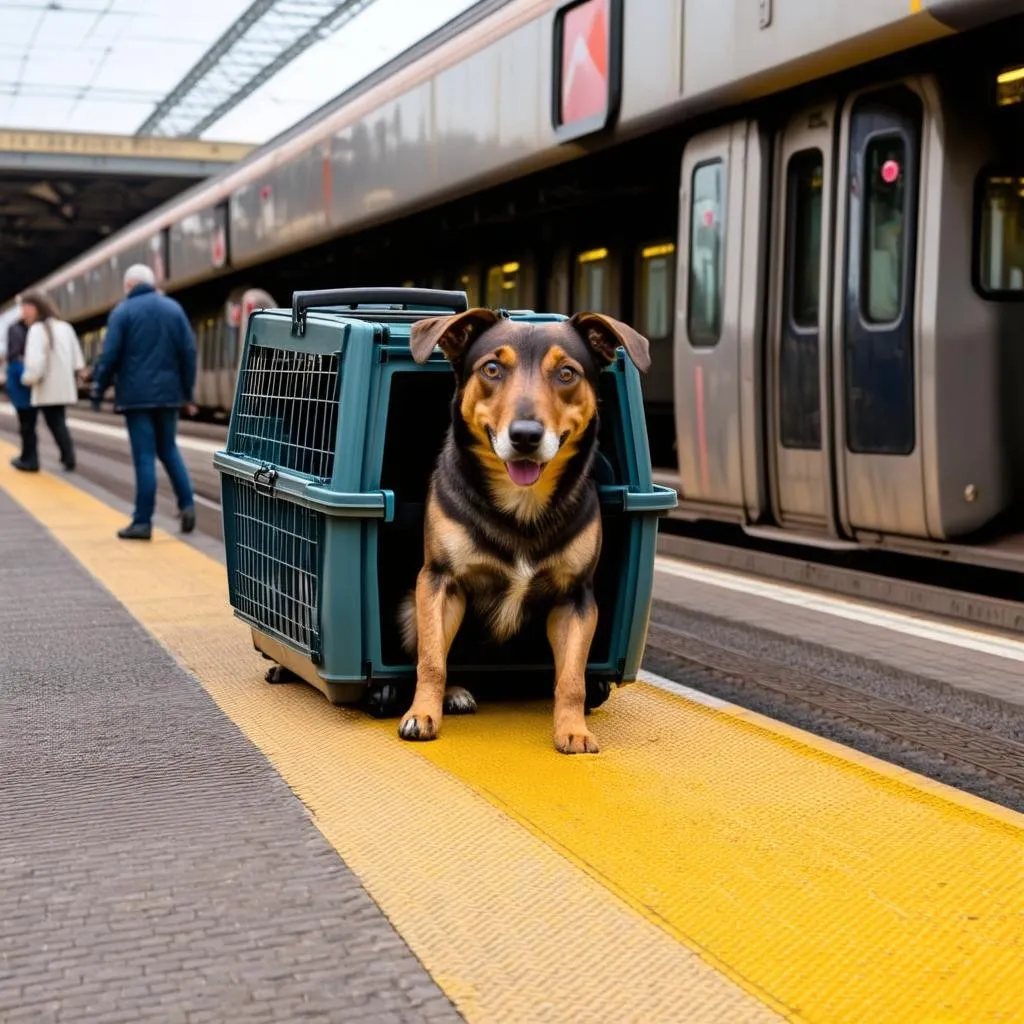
(512, 518)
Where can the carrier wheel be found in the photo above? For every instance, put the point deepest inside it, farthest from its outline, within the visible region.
(388, 700)
(598, 691)
(279, 674)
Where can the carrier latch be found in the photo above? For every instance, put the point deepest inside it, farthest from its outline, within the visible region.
(271, 478)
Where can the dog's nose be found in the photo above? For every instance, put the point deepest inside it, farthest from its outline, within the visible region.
(526, 435)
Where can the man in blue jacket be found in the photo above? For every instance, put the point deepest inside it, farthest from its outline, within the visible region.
(150, 354)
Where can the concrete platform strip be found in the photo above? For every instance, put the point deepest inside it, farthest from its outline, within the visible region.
(153, 865)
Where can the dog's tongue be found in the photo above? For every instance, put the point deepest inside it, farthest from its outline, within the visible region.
(524, 474)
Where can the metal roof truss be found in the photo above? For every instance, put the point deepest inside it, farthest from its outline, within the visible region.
(268, 36)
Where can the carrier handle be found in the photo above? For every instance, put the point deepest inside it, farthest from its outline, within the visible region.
(302, 301)
(658, 499)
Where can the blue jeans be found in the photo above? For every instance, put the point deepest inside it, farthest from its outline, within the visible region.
(152, 434)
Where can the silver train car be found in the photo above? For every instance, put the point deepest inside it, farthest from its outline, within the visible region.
(815, 210)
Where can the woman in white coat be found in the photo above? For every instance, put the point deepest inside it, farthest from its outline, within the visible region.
(53, 358)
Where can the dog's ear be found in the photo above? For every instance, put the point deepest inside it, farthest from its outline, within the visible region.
(604, 335)
(452, 333)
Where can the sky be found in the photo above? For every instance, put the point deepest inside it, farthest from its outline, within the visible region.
(103, 65)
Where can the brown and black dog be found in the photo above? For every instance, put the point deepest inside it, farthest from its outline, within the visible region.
(513, 522)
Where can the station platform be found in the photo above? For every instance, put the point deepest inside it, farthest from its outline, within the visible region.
(182, 841)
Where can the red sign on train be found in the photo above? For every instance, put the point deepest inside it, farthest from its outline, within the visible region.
(585, 45)
(587, 71)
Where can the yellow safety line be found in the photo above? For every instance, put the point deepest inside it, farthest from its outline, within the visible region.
(830, 885)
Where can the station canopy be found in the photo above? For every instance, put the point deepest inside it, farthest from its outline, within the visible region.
(110, 107)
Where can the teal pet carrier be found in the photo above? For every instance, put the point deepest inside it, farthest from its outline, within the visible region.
(334, 433)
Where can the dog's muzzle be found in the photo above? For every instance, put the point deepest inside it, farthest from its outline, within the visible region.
(525, 446)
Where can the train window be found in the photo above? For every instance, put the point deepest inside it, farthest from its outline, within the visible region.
(207, 354)
(592, 281)
(1001, 258)
(503, 286)
(804, 204)
(884, 208)
(707, 255)
(468, 283)
(657, 273)
(878, 325)
(799, 380)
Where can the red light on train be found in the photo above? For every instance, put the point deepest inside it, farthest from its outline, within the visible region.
(890, 171)
(218, 247)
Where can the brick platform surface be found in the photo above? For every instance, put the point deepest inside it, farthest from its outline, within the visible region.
(152, 863)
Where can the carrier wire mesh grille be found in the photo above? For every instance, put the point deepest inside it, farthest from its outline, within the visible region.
(288, 410)
(276, 563)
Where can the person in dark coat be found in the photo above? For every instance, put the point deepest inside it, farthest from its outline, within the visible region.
(19, 394)
(150, 355)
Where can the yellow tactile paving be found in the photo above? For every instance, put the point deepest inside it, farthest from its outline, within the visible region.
(506, 924)
(824, 885)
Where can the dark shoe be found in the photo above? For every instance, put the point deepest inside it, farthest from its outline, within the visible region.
(188, 519)
(136, 531)
(69, 467)
(25, 467)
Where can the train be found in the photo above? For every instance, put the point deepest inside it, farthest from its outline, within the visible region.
(813, 209)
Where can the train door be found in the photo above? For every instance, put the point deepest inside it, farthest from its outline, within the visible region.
(718, 348)
(878, 457)
(798, 367)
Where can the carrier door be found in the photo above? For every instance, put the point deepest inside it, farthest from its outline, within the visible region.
(877, 386)
(799, 317)
(718, 345)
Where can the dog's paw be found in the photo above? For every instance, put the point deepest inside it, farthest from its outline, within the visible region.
(576, 741)
(419, 727)
(459, 701)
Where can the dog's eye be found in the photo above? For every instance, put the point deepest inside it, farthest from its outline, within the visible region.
(491, 370)
(566, 375)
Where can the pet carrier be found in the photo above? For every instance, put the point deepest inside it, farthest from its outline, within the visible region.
(333, 436)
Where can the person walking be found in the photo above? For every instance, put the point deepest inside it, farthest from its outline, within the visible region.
(19, 395)
(150, 355)
(53, 361)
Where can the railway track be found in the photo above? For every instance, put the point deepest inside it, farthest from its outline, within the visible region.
(186, 427)
(998, 757)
